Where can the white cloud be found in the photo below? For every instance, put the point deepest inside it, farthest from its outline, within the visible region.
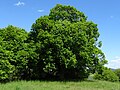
(41, 10)
(114, 63)
(19, 4)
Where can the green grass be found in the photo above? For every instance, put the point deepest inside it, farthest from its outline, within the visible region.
(54, 85)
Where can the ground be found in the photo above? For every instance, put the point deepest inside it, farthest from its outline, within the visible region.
(57, 85)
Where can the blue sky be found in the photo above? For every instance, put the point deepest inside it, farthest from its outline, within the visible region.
(105, 13)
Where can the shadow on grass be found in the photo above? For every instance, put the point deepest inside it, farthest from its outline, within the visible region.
(50, 80)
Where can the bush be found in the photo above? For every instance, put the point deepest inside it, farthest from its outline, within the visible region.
(117, 72)
(107, 75)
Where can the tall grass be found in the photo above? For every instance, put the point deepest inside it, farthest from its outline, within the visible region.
(54, 85)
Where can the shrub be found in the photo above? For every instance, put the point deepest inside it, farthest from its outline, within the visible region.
(107, 75)
(117, 72)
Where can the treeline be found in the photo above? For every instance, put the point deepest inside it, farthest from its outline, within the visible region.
(61, 45)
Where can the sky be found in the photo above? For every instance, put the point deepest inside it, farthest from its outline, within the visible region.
(105, 13)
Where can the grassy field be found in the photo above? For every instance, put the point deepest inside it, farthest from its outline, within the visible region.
(54, 85)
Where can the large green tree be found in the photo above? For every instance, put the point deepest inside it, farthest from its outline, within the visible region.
(67, 44)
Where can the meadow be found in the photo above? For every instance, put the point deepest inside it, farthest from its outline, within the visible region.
(57, 85)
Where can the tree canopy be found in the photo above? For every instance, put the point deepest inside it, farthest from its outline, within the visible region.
(67, 43)
(61, 45)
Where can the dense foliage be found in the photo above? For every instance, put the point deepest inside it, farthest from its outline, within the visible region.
(107, 75)
(62, 45)
(13, 52)
(67, 43)
(117, 72)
